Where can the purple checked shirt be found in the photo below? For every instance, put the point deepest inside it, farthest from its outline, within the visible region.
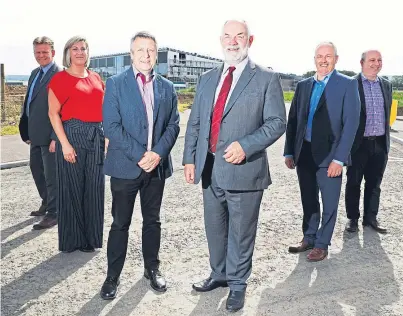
(374, 104)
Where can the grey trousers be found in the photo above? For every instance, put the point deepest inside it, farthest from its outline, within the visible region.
(230, 219)
(43, 169)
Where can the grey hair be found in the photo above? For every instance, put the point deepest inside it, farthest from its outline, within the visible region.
(69, 44)
(143, 34)
(364, 54)
(248, 32)
(327, 44)
(44, 40)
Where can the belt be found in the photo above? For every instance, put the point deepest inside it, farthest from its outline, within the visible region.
(373, 137)
(94, 134)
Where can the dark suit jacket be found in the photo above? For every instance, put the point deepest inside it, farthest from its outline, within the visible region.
(334, 124)
(387, 98)
(125, 124)
(37, 127)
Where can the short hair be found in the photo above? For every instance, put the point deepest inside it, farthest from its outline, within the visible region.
(69, 44)
(248, 32)
(44, 40)
(142, 34)
(327, 44)
(364, 54)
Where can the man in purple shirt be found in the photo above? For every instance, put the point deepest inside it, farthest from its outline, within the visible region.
(371, 144)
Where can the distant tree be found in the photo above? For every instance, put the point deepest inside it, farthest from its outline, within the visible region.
(397, 82)
(347, 73)
(309, 74)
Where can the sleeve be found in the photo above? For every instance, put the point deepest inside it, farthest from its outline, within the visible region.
(58, 85)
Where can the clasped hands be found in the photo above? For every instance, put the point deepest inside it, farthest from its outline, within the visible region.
(149, 161)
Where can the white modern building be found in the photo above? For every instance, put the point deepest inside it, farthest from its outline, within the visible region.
(182, 68)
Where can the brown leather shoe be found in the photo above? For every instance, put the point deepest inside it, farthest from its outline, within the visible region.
(301, 247)
(317, 254)
(40, 212)
(46, 222)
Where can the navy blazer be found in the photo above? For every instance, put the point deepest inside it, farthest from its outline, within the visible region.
(125, 125)
(334, 124)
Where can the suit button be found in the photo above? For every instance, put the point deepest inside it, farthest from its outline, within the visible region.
(145, 127)
(145, 145)
(207, 138)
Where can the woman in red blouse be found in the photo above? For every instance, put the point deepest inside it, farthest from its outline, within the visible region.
(75, 111)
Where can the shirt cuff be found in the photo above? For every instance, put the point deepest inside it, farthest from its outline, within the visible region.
(338, 162)
(288, 156)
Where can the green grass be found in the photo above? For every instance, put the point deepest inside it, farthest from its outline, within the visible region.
(398, 95)
(182, 107)
(9, 130)
(288, 95)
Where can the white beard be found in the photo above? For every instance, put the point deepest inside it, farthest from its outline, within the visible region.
(234, 58)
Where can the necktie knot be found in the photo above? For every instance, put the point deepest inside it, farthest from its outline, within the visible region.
(231, 70)
(142, 77)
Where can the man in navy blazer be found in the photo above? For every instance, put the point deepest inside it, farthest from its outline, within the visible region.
(141, 122)
(322, 124)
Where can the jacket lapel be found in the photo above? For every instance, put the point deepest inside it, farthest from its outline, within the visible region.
(211, 87)
(386, 101)
(157, 87)
(45, 80)
(331, 84)
(361, 92)
(306, 104)
(243, 81)
(134, 92)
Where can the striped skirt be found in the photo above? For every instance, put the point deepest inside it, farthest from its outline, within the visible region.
(81, 187)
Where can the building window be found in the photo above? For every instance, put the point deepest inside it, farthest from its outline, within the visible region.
(94, 63)
(162, 57)
(126, 60)
(110, 62)
(102, 62)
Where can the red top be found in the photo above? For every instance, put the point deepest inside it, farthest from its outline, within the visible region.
(81, 98)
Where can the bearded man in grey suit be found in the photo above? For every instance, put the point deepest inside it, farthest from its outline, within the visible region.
(237, 113)
(36, 130)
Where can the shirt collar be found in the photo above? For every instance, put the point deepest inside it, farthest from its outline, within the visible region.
(366, 79)
(152, 74)
(47, 67)
(238, 67)
(325, 80)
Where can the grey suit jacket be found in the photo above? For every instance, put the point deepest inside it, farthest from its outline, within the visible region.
(37, 127)
(255, 116)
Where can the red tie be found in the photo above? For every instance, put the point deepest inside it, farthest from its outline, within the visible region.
(143, 77)
(219, 109)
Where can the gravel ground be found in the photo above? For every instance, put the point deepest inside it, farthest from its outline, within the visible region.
(362, 276)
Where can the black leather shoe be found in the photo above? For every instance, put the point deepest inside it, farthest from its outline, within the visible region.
(110, 288)
(375, 226)
(208, 284)
(40, 212)
(157, 281)
(87, 248)
(235, 301)
(46, 222)
(352, 225)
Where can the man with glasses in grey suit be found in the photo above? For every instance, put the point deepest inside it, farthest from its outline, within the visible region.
(238, 112)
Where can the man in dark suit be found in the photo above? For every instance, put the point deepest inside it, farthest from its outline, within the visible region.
(371, 145)
(237, 114)
(141, 121)
(36, 130)
(322, 123)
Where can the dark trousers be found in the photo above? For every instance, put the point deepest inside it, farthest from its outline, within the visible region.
(311, 180)
(368, 162)
(124, 194)
(43, 169)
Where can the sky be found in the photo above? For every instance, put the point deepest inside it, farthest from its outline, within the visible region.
(286, 32)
